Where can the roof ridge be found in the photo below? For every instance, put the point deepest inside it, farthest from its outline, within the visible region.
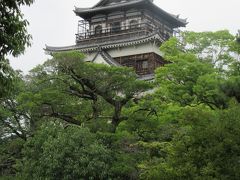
(101, 3)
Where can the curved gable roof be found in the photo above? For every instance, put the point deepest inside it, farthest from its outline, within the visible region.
(148, 4)
(102, 3)
(85, 12)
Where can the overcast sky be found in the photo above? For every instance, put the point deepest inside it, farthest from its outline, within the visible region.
(54, 23)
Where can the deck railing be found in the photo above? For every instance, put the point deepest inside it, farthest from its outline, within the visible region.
(123, 32)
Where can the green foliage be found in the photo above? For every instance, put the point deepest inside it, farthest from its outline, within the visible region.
(231, 87)
(206, 147)
(118, 83)
(125, 154)
(189, 81)
(7, 78)
(92, 121)
(235, 45)
(13, 36)
(13, 39)
(77, 92)
(197, 72)
(10, 151)
(213, 47)
(15, 119)
(204, 144)
(58, 153)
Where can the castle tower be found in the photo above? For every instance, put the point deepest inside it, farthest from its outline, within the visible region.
(124, 33)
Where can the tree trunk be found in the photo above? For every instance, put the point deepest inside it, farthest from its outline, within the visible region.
(94, 108)
(117, 115)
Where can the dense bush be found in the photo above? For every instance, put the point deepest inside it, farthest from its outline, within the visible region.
(58, 153)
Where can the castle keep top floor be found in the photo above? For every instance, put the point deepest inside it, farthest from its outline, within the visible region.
(118, 9)
(125, 16)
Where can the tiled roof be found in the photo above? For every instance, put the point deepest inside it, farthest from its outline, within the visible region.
(89, 12)
(107, 45)
(102, 3)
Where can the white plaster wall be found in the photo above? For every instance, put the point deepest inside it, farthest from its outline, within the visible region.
(99, 59)
(132, 50)
(90, 56)
(125, 51)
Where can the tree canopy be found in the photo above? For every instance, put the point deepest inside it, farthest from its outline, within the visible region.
(70, 119)
(13, 39)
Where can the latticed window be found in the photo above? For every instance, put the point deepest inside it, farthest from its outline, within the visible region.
(116, 27)
(98, 29)
(133, 24)
(145, 64)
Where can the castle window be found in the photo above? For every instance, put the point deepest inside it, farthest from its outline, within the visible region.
(98, 29)
(115, 27)
(133, 24)
(145, 64)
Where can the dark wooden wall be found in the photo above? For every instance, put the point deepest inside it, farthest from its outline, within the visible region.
(142, 63)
